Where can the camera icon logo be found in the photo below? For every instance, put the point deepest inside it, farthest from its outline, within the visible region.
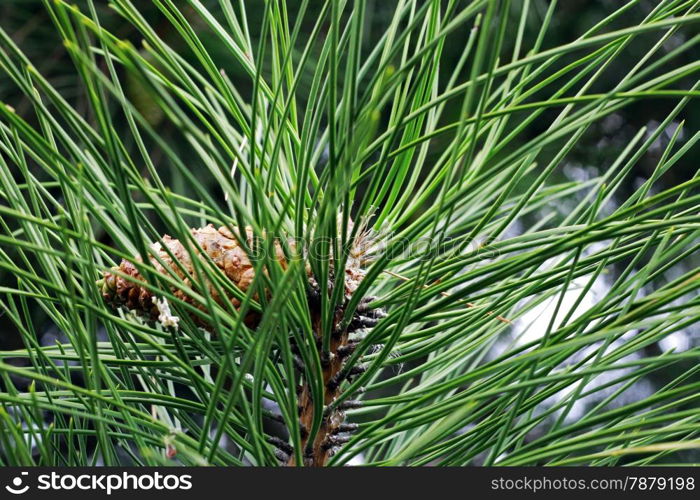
(16, 488)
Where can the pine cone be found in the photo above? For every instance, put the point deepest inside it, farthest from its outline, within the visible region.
(220, 246)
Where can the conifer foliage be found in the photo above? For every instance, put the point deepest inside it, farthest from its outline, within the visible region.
(348, 232)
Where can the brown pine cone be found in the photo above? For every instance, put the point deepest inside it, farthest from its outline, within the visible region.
(220, 246)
